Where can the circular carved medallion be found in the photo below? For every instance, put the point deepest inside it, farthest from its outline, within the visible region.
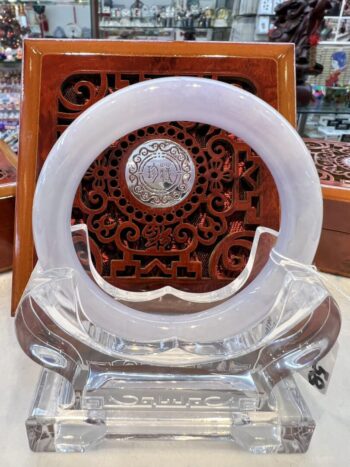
(160, 173)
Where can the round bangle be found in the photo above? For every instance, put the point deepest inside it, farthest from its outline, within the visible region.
(179, 99)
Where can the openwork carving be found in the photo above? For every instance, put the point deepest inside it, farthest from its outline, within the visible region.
(173, 203)
(332, 161)
(202, 241)
(81, 90)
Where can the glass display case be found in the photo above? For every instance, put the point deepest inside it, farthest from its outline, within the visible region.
(336, 26)
(20, 19)
(10, 87)
(59, 19)
(322, 120)
(328, 116)
(234, 20)
(165, 19)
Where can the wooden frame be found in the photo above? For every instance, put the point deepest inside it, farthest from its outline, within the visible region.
(269, 66)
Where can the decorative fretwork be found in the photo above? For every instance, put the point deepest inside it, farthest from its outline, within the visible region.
(200, 243)
(332, 160)
(81, 90)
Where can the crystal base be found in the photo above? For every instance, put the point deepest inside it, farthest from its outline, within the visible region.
(97, 385)
(127, 404)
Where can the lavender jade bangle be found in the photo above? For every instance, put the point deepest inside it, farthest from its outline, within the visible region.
(182, 99)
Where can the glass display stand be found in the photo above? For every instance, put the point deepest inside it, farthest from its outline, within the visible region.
(87, 393)
(119, 404)
(170, 362)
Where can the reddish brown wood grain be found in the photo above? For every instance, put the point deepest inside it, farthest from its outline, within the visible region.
(199, 244)
(7, 204)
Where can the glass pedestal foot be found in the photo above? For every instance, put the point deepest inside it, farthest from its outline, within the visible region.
(118, 405)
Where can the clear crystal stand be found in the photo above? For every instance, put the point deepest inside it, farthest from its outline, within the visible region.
(95, 385)
(136, 403)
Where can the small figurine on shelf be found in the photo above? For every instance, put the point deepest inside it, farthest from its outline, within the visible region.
(146, 15)
(59, 33)
(196, 12)
(327, 30)
(222, 16)
(335, 93)
(333, 79)
(162, 17)
(154, 13)
(118, 13)
(318, 92)
(136, 10)
(338, 64)
(125, 19)
(180, 18)
(10, 54)
(170, 16)
(19, 53)
(188, 19)
(73, 30)
(42, 19)
(208, 14)
(339, 60)
(106, 7)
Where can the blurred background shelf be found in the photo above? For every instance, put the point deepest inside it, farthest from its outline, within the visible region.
(165, 20)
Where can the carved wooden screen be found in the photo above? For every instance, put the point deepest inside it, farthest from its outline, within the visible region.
(332, 160)
(200, 243)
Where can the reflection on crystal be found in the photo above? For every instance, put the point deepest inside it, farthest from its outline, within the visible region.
(98, 391)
